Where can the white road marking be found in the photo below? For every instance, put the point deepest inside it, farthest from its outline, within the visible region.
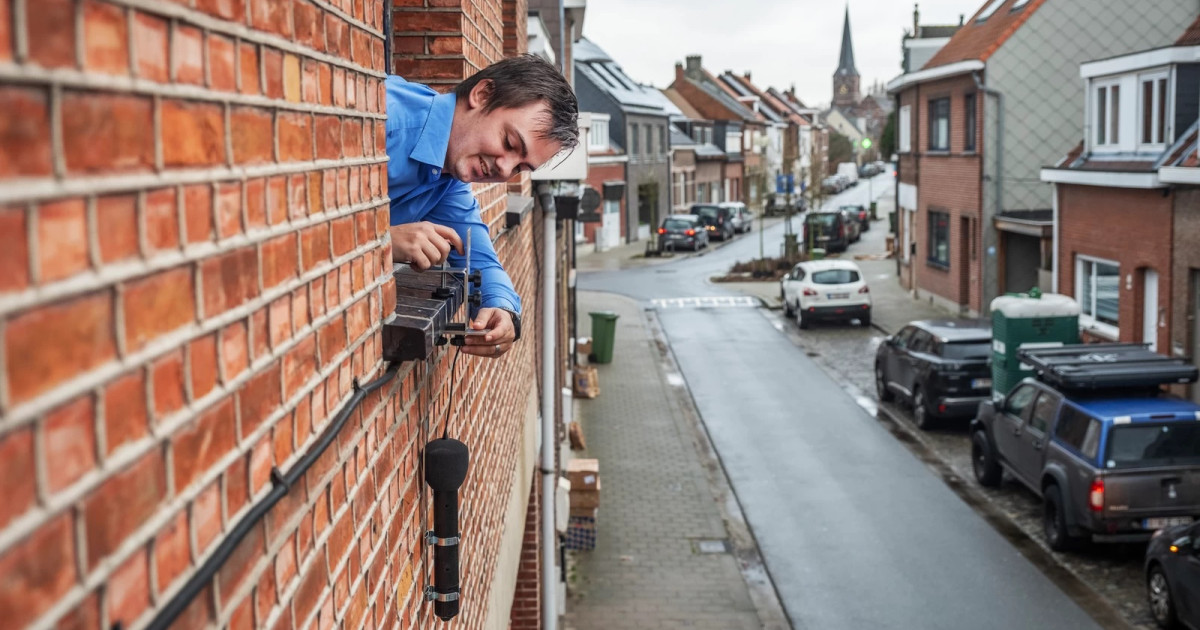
(740, 301)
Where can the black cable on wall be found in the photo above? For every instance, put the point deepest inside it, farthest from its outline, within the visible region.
(282, 483)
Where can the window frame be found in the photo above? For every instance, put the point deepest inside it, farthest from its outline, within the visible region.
(1106, 119)
(596, 140)
(904, 126)
(1087, 315)
(970, 123)
(1160, 110)
(934, 105)
(930, 232)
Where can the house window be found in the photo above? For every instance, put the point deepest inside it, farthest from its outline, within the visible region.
(633, 141)
(989, 10)
(939, 124)
(662, 139)
(1098, 291)
(650, 141)
(733, 142)
(904, 125)
(939, 239)
(1153, 108)
(598, 135)
(969, 121)
(1108, 114)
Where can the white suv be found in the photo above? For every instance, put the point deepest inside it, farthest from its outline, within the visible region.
(826, 290)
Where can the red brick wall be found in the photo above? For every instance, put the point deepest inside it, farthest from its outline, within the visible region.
(948, 182)
(1128, 226)
(197, 268)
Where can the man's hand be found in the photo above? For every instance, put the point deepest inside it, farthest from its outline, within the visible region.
(423, 244)
(498, 341)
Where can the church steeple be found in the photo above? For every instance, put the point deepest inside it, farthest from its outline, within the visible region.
(845, 80)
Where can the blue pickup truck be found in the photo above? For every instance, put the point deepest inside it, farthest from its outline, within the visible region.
(1112, 456)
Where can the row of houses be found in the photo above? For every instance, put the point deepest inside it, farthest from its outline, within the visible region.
(1054, 144)
(706, 138)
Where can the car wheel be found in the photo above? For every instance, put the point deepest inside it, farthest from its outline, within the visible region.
(865, 320)
(1054, 520)
(801, 320)
(983, 461)
(881, 390)
(1158, 593)
(788, 311)
(921, 416)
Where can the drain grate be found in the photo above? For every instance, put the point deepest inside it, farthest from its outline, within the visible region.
(710, 546)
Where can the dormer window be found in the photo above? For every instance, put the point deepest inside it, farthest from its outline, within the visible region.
(1107, 117)
(1152, 109)
(989, 10)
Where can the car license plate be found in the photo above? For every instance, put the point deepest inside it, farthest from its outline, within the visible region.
(838, 296)
(980, 383)
(1159, 523)
(822, 238)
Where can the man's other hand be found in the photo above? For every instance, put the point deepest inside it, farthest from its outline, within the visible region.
(498, 341)
(423, 244)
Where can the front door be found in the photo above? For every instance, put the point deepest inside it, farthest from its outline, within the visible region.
(1150, 308)
(610, 226)
(1010, 423)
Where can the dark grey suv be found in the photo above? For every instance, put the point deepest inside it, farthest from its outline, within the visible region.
(939, 366)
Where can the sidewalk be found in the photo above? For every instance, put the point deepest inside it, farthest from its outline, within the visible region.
(662, 509)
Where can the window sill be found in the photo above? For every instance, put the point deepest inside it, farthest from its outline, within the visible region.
(1099, 329)
(937, 153)
(934, 264)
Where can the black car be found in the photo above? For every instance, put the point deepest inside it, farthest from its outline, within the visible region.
(826, 229)
(717, 219)
(940, 367)
(860, 213)
(682, 230)
(1173, 576)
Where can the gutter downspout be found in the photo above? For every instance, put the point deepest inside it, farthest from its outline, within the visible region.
(549, 391)
(1054, 241)
(985, 294)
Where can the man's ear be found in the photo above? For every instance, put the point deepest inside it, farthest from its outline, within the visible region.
(481, 94)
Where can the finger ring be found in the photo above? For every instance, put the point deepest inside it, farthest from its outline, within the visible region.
(497, 348)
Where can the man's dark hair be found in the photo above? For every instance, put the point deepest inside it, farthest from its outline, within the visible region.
(524, 79)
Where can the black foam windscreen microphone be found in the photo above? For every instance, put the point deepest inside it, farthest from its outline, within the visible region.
(446, 463)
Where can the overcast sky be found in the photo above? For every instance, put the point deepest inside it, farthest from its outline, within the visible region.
(781, 42)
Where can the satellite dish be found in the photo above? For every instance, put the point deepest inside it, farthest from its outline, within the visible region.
(590, 201)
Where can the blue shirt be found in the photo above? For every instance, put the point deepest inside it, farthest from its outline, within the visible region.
(418, 132)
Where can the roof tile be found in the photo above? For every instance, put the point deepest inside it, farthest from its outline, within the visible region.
(978, 40)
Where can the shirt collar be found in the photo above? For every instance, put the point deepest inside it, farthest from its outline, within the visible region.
(435, 135)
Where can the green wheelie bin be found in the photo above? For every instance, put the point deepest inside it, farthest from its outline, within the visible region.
(604, 332)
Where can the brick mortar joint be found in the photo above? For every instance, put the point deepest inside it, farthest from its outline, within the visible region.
(114, 274)
(211, 24)
(47, 188)
(31, 410)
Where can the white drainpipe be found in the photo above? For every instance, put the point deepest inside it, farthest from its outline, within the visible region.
(549, 391)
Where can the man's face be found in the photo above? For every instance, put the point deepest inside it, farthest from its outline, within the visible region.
(495, 146)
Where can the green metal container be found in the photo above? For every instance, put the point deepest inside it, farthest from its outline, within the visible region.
(817, 254)
(604, 333)
(1025, 321)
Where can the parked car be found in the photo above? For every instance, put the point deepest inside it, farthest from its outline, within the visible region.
(826, 229)
(826, 290)
(939, 366)
(1173, 576)
(718, 220)
(853, 227)
(849, 170)
(680, 231)
(831, 185)
(741, 217)
(1113, 458)
(859, 212)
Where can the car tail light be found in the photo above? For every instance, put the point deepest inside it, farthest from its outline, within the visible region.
(690, 232)
(1096, 496)
(662, 230)
(864, 289)
(808, 291)
(841, 231)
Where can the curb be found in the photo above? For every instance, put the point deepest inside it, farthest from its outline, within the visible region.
(763, 593)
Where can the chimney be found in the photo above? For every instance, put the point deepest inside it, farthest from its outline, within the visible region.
(694, 71)
(916, 20)
(678, 71)
(747, 75)
(961, 17)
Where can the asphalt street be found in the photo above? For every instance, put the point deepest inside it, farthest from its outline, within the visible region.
(855, 531)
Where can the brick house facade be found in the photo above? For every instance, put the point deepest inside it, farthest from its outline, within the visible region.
(197, 276)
